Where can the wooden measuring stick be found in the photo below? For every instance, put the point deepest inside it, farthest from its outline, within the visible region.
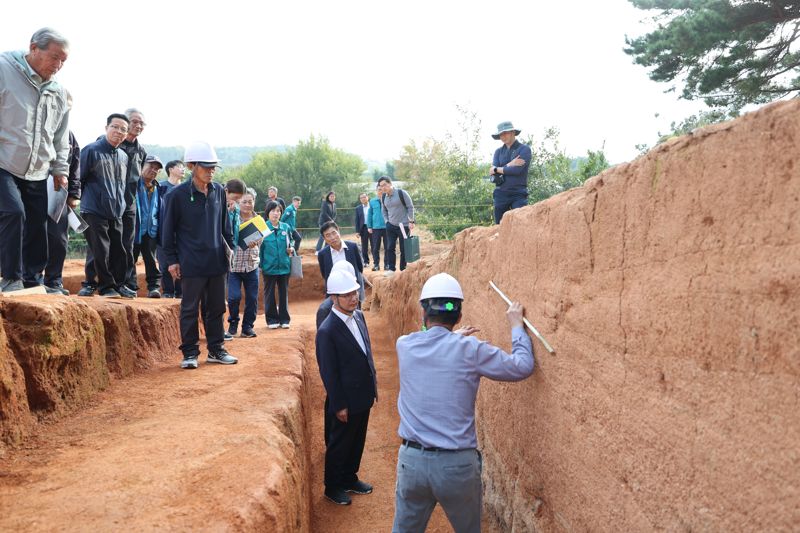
(524, 320)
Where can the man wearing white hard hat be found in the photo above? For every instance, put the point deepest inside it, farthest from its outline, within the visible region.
(344, 357)
(197, 238)
(325, 307)
(440, 370)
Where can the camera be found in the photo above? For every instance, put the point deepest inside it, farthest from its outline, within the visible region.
(497, 179)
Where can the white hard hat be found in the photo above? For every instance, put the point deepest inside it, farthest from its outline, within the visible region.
(344, 266)
(441, 286)
(342, 282)
(200, 152)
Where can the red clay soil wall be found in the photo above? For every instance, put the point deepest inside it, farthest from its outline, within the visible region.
(670, 289)
(56, 352)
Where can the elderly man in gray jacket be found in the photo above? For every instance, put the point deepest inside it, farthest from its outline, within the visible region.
(34, 142)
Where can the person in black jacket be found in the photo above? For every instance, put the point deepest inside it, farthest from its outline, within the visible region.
(103, 168)
(136, 156)
(58, 232)
(327, 213)
(362, 210)
(337, 250)
(197, 237)
(344, 357)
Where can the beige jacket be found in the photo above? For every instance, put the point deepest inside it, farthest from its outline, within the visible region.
(34, 122)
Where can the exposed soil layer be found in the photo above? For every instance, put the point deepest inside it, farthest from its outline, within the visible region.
(670, 289)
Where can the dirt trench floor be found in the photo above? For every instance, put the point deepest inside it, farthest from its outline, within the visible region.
(170, 449)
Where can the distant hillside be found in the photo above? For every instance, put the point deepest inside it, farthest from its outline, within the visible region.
(229, 155)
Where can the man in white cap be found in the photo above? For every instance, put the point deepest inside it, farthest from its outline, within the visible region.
(344, 357)
(440, 370)
(197, 238)
(509, 171)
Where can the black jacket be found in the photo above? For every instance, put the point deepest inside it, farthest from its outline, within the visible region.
(347, 372)
(327, 211)
(136, 156)
(102, 176)
(74, 162)
(195, 230)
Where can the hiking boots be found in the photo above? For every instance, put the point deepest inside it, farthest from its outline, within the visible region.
(222, 357)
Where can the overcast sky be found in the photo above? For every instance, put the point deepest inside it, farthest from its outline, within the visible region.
(368, 75)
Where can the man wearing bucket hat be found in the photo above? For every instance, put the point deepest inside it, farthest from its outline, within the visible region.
(197, 238)
(344, 357)
(509, 171)
(440, 370)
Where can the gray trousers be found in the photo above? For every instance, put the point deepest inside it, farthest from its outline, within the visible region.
(451, 478)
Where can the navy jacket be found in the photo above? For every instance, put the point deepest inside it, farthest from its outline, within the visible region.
(347, 372)
(195, 230)
(516, 182)
(361, 222)
(102, 170)
(351, 254)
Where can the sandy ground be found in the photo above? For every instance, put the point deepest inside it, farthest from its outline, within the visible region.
(176, 450)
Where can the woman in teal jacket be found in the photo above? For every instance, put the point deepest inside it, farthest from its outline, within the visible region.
(377, 229)
(275, 265)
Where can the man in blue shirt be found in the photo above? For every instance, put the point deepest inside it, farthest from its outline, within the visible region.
(509, 171)
(440, 370)
(197, 239)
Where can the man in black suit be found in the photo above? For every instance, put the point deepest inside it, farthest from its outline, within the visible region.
(344, 357)
(338, 250)
(361, 226)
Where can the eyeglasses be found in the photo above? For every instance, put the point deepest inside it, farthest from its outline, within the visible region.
(121, 129)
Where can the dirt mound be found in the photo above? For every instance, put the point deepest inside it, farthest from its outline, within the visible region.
(57, 352)
(670, 288)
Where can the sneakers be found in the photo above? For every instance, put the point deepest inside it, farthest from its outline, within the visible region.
(108, 293)
(154, 293)
(168, 295)
(273, 326)
(359, 487)
(248, 333)
(228, 336)
(189, 363)
(338, 496)
(222, 357)
(126, 291)
(87, 290)
(284, 326)
(57, 288)
(11, 285)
